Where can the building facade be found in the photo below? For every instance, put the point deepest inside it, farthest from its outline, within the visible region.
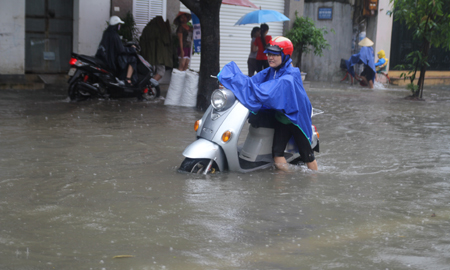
(37, 36)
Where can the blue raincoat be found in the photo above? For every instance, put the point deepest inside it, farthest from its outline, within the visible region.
(365, 56)
(280, 89)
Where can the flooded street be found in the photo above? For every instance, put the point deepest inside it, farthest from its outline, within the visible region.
(81, 183)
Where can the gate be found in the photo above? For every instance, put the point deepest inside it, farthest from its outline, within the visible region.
(48, 35)
(403, 43)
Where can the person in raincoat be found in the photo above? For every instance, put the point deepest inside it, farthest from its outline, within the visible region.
(278, 87)
(381, 64)
(366, 57)
(121, 60)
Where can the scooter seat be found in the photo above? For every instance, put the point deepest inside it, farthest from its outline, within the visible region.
(93, 60)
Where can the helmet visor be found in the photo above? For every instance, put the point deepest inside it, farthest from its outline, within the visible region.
(273, 50)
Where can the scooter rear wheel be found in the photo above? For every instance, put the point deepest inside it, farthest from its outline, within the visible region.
(197, 166)
(74, 91)
(154, 91)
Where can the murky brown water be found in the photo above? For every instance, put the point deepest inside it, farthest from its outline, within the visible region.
(82, 183)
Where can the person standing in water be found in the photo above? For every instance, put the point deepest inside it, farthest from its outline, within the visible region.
(185, 34)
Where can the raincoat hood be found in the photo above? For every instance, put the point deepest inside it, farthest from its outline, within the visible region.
(110, 48)
(279, 89)
(381, 54)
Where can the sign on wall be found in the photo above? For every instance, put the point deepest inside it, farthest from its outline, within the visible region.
(325, 13)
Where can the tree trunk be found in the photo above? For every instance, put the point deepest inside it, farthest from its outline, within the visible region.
(420, 83)
(299, 58)
(208, 13)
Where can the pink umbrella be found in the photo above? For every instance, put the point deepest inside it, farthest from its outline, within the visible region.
(242, 3)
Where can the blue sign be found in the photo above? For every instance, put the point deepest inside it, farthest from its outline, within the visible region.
(325, 13)
(197, 33)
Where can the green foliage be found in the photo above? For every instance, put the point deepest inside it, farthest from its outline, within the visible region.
(415, 61)
(412, 87)
(128, 30)
(306, 37)
(429, 21)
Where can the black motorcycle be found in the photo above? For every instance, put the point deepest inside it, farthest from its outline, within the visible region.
(90, 77)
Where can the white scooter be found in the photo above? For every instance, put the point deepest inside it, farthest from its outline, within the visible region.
(217, 146)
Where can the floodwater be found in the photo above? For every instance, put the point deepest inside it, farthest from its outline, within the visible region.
(81, 183)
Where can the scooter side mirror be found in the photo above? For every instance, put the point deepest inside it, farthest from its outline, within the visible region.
(316, 112)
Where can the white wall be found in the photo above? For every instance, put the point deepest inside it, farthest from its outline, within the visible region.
(12, 37)
(90, 20)
(384, 30)
(326, 68)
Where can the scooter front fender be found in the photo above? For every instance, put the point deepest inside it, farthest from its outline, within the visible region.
(204, 149)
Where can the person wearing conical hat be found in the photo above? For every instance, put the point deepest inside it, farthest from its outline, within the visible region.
(368, 74)
(366, 42)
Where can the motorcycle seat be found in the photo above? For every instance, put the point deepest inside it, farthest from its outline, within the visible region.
(93, 60)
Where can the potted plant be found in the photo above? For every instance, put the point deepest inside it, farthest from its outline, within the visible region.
(306, 37)
(129, 30)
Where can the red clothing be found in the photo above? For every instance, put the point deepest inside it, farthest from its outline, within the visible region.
(261, 55)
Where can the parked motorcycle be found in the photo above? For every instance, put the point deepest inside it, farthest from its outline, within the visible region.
(217, 146)
(90, 77)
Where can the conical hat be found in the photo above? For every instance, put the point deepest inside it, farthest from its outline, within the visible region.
(365, 42)
(177, 19)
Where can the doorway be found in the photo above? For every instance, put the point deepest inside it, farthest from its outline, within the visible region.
(48, 35)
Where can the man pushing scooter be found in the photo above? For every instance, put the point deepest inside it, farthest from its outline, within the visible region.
(279, 88)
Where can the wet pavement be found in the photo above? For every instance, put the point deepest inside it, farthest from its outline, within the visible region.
(82, 183)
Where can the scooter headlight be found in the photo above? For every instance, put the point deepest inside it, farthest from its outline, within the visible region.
(222, 99)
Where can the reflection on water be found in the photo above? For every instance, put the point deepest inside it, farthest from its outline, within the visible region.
(82, 183)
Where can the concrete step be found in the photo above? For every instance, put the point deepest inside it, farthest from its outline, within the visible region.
(428, 81)
(22, 82)
(431, 77)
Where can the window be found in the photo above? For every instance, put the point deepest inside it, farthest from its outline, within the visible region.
(145, 10)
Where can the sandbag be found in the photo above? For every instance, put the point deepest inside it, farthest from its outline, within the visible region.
(176, 88)
(189, 96)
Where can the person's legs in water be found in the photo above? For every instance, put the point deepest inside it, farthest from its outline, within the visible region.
(282, 135)
(367, 76)
(281, 164)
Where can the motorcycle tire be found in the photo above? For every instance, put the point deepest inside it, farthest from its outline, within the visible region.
(197, 166)
(154, 90)
(74, 93)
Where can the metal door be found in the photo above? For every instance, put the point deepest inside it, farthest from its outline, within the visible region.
(48, 35)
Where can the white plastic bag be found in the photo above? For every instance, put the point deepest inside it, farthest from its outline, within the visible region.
(176, 88)
(189, 96)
